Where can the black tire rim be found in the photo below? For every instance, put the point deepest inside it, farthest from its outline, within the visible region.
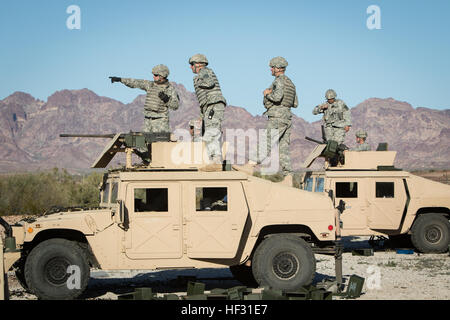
(433, 234)
(285, 265)
(55, 271)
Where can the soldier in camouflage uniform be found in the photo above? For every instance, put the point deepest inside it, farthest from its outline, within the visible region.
(336, 117)
(161, 96)
(279, 98)
(361, 137)
(212, 105)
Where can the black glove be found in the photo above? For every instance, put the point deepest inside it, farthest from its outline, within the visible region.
(115, 79)
(164, 97)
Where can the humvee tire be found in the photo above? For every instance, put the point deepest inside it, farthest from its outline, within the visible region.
(46, 269)
(284, 262)
(431, 233)
(244, 275)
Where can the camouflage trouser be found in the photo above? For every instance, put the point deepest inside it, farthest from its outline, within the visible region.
(335, 133)
(284, 139)
(156, 125)
(213, 130)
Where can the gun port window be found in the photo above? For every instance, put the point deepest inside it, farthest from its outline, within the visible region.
(151, 199)
(211, 199)
(309, 184)
(106, 193)
(319, 185)
(114, 190)
(346, 190)
(384, 189)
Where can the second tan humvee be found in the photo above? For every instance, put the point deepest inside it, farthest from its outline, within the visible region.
(381, 200)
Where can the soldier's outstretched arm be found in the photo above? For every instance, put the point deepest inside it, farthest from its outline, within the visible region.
(277, 91)
(136, 83)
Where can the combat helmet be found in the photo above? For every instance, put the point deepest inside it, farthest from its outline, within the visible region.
(330, 94)
(278, 62)
(161, 70)
(361, 134)
(198, 58)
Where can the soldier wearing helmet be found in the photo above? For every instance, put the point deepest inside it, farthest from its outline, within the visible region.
(161, 96)
(361, 144)
(212, 105)
(279, 98)
(336, 117)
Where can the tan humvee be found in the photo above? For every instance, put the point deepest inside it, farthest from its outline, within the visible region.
(178, 216)
(381, 200)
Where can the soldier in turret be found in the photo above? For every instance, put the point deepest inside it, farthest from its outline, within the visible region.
(212, 105)
(279, 98)
(361, 144)
(161, 96)
(336, 117)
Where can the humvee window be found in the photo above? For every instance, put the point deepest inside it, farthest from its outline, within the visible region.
(114, 189)
(151, 199)
(309, 184)
(346, 190)
(106, 193)
(319, 184)
(211, 199)
(384, 189)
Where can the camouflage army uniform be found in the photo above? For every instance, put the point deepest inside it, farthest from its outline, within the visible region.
(336, 117)
(278, 104)
(156, 111)
(212, 107)
(362, 147)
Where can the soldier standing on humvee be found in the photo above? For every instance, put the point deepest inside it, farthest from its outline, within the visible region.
(279, 98)
(361, 137)
(336, 117)
(161, 96)
(212, 105)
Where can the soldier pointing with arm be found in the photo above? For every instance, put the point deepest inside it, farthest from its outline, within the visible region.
(336, 117)
(161, 96)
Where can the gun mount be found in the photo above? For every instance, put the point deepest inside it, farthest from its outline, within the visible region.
(331, 150)
(138, 143)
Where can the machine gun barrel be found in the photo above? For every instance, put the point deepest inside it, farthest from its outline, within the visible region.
(68, 135)
(314, 140)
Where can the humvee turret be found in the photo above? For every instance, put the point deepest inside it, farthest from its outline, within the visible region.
(172, 214)
(382, 200)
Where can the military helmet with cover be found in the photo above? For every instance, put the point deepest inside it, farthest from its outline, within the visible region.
(278, 62)
(330, 94)
(198, 58)
(161, 70)
(361, 134)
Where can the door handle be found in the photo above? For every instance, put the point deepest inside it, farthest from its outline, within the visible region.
(176, 227)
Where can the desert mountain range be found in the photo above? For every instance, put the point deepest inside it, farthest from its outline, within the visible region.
(30, 128)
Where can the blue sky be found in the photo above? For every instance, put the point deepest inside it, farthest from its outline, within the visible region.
(326, 43)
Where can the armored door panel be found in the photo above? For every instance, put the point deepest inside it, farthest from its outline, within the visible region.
(155, 221)
(387, 201)
(352, 192)
(215, 219)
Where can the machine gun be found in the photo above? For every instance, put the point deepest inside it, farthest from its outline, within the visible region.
(331, 150)
(138, 143)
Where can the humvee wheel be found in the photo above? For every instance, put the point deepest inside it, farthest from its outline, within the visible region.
(284, 262)
(46, 270)
(244, 275)
(431, 233)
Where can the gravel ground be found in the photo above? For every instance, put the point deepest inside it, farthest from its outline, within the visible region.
(388, 276)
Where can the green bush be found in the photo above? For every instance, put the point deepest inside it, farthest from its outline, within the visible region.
(35, 193)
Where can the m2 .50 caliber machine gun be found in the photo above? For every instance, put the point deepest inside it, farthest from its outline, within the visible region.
(138, 143)
(331, 150)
